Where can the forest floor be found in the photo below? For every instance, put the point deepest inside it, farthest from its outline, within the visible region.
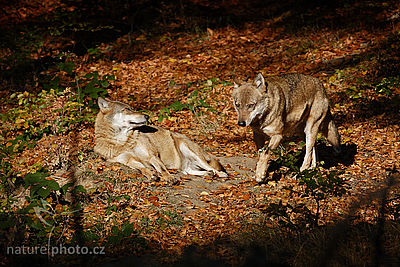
(181, 76)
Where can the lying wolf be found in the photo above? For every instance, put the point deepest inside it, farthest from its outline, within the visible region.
(122, 136)
(291, 104)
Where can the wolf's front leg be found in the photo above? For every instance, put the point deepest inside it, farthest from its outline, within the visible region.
(262, 166)
(160, 167)
(129, 159)
(264, 158)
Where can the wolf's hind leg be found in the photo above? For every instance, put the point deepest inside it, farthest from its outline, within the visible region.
(133, 162)
(196, 164)
(197, 172)
(311, 131)
(314, 157)
(330, 131)
(217, 166)
(159, 166)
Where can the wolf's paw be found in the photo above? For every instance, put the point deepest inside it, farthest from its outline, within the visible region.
(304, 167)
(154, 178)
(173, 180)
(222, 174)
(260, 176)
(260, 179)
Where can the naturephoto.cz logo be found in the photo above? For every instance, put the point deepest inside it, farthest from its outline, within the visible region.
(55, 250)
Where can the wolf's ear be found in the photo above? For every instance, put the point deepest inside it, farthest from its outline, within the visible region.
(104, 105)
(259, 82)
(236, 82)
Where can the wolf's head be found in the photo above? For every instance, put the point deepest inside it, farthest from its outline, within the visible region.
(249, 100)
(120, 115)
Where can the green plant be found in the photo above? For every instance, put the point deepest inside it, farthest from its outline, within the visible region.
(113, 207)
(51, 221)
(282, 213)
(387, 86)
(92, 85)
(193, 103)
(119, 233)
(39, 186)
(344, 78)
(288, 157)
(87, 87)
(33, 117)
(354, 92)
(319, 184)
(34, 114)
(46, 215)
(169, 217)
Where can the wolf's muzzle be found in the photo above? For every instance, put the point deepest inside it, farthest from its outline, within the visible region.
(242, 123)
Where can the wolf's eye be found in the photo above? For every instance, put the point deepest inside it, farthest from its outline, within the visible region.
(237, 105)
(250, 105)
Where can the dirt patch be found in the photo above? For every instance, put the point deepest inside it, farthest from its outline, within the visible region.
(193, 191)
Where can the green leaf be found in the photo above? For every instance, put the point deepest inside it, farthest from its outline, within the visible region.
(67, 67)
(35, 178)
(43, 192)
(52, 185)
(115, 230)
(127, 229)
(110, 77)
(79, 189)
(91, 236)
(6, 222)
(65, 187)
(37, 226)
(105, 84)
(32, 178)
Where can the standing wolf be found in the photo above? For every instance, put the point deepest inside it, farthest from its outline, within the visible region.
(291, 104)
(122, 136)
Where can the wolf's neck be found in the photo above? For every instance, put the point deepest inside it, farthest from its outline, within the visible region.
(110, 141)
(121, 136)
(263, 111)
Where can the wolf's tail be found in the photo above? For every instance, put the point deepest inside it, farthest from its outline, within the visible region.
(216, 164)
(330, 131)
